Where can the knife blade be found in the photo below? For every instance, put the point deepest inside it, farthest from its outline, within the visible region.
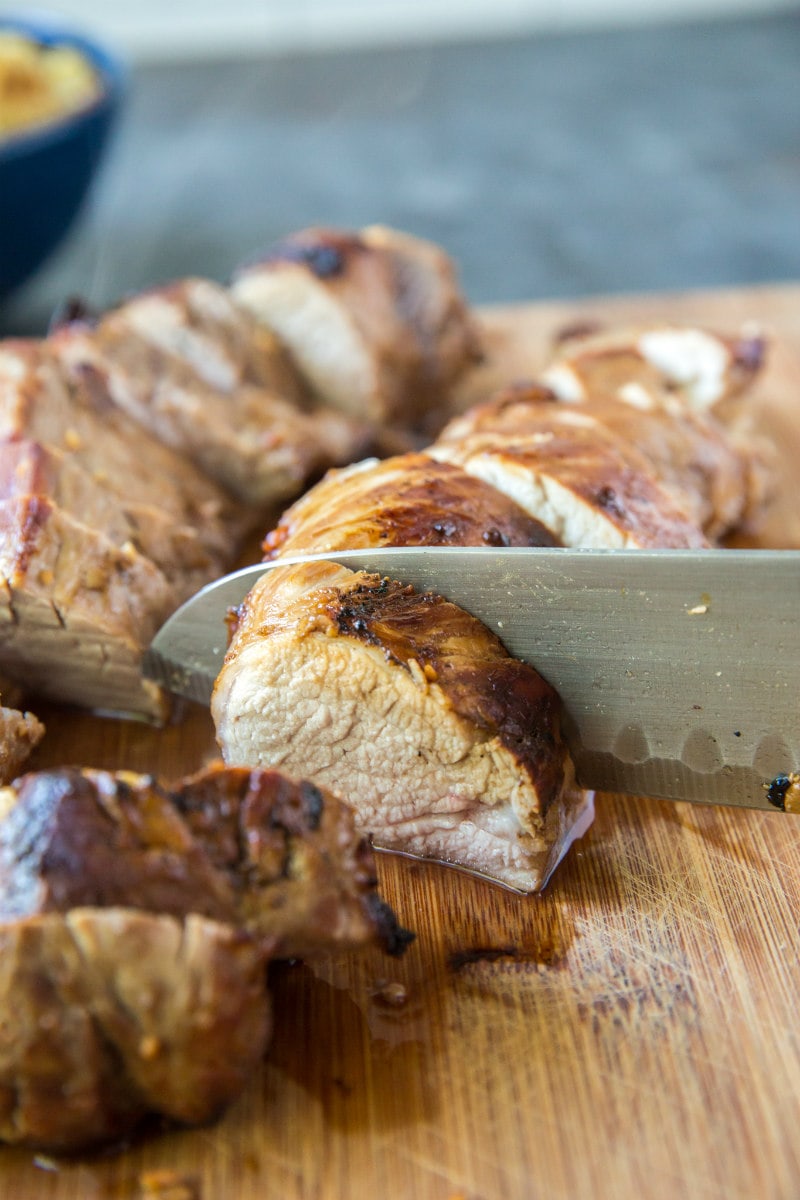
(678, 669)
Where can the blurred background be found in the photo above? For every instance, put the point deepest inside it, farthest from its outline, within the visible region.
(555, 149)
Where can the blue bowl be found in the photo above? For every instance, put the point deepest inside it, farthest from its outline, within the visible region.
(46, 172)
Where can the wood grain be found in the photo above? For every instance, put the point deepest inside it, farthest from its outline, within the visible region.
(630, 1033)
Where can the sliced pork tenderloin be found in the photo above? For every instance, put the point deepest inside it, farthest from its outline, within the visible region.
(200, 322)
(136, 925)
(30, 469)
(680, 395)
(156, 487)
(447, 747)
(20, 734)
(176, 376)
(568, 472)
(689, 453)
(277, 856)
(407, 500)
(375, 320)
(111, 1014)
(697, 368)
(76, 611)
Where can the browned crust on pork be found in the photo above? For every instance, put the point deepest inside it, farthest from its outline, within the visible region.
(606, 358)
(20, 734)
(113, 1014)
(425, 635)
(568, 445)
(410, 500)
(689, 453)
(276, 856)
(136, 925)
(399, 296)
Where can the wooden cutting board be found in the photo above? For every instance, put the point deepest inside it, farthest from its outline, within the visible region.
(632, 1033)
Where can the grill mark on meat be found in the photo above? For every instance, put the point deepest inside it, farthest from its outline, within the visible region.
(324, 253)
(74, 310)
(749, 353)
(407, 500)
(608, 499)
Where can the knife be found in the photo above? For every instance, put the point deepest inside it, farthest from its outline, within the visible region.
(678, 669)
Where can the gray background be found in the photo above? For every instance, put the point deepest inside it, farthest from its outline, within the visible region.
(549, 166)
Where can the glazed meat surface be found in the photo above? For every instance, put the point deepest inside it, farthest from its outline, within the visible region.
(136, 924)
(354, 677)
(690, 454)
(407, 500)
(450, 748)
(566, 471)
(375, 319)
(255, 849)
(698, 368)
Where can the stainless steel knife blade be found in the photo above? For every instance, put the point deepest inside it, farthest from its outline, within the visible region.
(678, 669)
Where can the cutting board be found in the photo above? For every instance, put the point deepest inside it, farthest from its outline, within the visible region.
(632, 1033)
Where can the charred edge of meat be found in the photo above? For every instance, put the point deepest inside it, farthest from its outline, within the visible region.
(783, 792)
(325, 253)
(578, 329)
(390, 615)
(74, 310)
(70, 842)
(749, 353)
(394, 938)
(526, 390)
(608, 500)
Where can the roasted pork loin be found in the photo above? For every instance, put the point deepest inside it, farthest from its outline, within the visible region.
(361, 679)
(375, 320)
(406, 500)
(449, 748)
(170, 426)
(679, 395)
(700, 369)
(219, 391)
(76, 610)
(73, 414)
(135, 928)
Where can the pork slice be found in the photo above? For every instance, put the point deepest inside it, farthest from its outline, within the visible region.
(136, 924)
(673, 365)
(568, 472)
(40, 403)
(110, 1014)
(200, 322)
(251, 440)
(31, 469)
(275, 856)
(446, 747)
(408, 500)
(20, 734)
(690, 453)
(76, 610)
(375, 320)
